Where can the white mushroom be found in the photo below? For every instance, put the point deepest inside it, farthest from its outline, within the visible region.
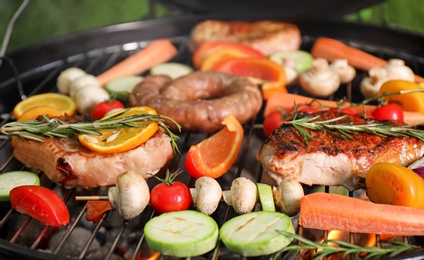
(242, 196)
(395, 69)
(206, 195)
(320, 80)
(66, 77)
(87, 97)
(371, 85)
(288, 196)
(80, 82)
(130, 196)
(345, 72)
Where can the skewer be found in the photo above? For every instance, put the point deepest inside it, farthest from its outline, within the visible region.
(91, 198)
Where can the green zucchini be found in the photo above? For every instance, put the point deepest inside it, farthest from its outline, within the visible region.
(183, 233)
(172, 69)
(255, 233)
(10, 180)
(121, 88)
(302, 60)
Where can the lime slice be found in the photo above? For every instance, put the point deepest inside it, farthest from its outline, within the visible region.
(183, 233)
(266, 197)
(10, 180)
(256, 233)
(172, 69)
(121, 88)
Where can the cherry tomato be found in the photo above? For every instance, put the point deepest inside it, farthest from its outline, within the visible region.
(272, 121)
(388, 112)
(41, 204)
(170, 195)
(102, 108)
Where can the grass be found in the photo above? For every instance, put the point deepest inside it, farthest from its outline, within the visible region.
(44, 19)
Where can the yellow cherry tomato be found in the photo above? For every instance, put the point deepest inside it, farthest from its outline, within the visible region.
(408, 102)
(390, 183)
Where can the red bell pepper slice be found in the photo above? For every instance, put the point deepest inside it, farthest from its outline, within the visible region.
(96, 209)
(41, 204)
(216, 49)
(269, 73)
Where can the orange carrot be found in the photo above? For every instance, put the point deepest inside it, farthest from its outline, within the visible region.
(338, 212)
(331, 49)
(286, 102)
(156, 52)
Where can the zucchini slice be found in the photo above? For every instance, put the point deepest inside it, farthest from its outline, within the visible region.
(255, 233)
(10, 180)
(182, 233)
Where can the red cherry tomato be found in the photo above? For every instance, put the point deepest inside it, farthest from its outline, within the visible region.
(41, 204)
(388, 112)
(272, 121)
(170, 196)
(102, 108)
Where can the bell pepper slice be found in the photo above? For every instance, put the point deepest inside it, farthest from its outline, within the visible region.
(234, 48)
(413, 102)
(41, 204)
(271, 75)
(96, 209)
(215, 155)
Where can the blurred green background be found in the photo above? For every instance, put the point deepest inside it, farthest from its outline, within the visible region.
(44, 19)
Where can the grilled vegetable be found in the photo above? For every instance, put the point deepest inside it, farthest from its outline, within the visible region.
(156, 52)
(256, 233)
(41, 204)
(96, 209)
(319, 81)
(130, 196)
(325, 211)
(242, 196)
(104, 107)
(183, 233)
(66, 77)
(170, 195)
(172, 69)
(266, 197)
(121, 87)
(10, 180)
(206, 194)
(395, 184)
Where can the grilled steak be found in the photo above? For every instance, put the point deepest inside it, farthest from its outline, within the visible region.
(333, 160)
(67, 162)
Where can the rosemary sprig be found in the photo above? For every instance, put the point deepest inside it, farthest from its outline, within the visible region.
(330, 247)
(54, 127)
(347, 129)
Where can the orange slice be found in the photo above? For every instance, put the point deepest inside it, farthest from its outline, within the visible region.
(123, 139)
(59, 101)
(215, 155)
(33, 113)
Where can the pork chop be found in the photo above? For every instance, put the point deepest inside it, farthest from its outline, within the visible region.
(68, 163)
(333, 160)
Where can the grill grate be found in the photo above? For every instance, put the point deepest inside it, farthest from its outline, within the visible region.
(23, 236)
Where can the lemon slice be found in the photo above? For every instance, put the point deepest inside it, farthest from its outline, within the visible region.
(59, 101)
(123, 139)
(266, 197)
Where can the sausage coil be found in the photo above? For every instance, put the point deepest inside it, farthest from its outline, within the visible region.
(199, 101)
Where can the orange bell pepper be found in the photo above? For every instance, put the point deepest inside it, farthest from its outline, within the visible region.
(215, 155)
(269, 73)
(409, 101)
(214, 50)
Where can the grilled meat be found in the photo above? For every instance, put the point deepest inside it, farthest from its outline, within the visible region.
(266, 36)
(67, 162)
(333, 160)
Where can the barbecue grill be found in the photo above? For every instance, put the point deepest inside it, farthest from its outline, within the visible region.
(34, 69)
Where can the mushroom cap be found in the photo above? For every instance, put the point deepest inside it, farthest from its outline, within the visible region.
(209, 194)
(131, 194)
(244, 195)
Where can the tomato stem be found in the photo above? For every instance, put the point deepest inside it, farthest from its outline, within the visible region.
(169, 177)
